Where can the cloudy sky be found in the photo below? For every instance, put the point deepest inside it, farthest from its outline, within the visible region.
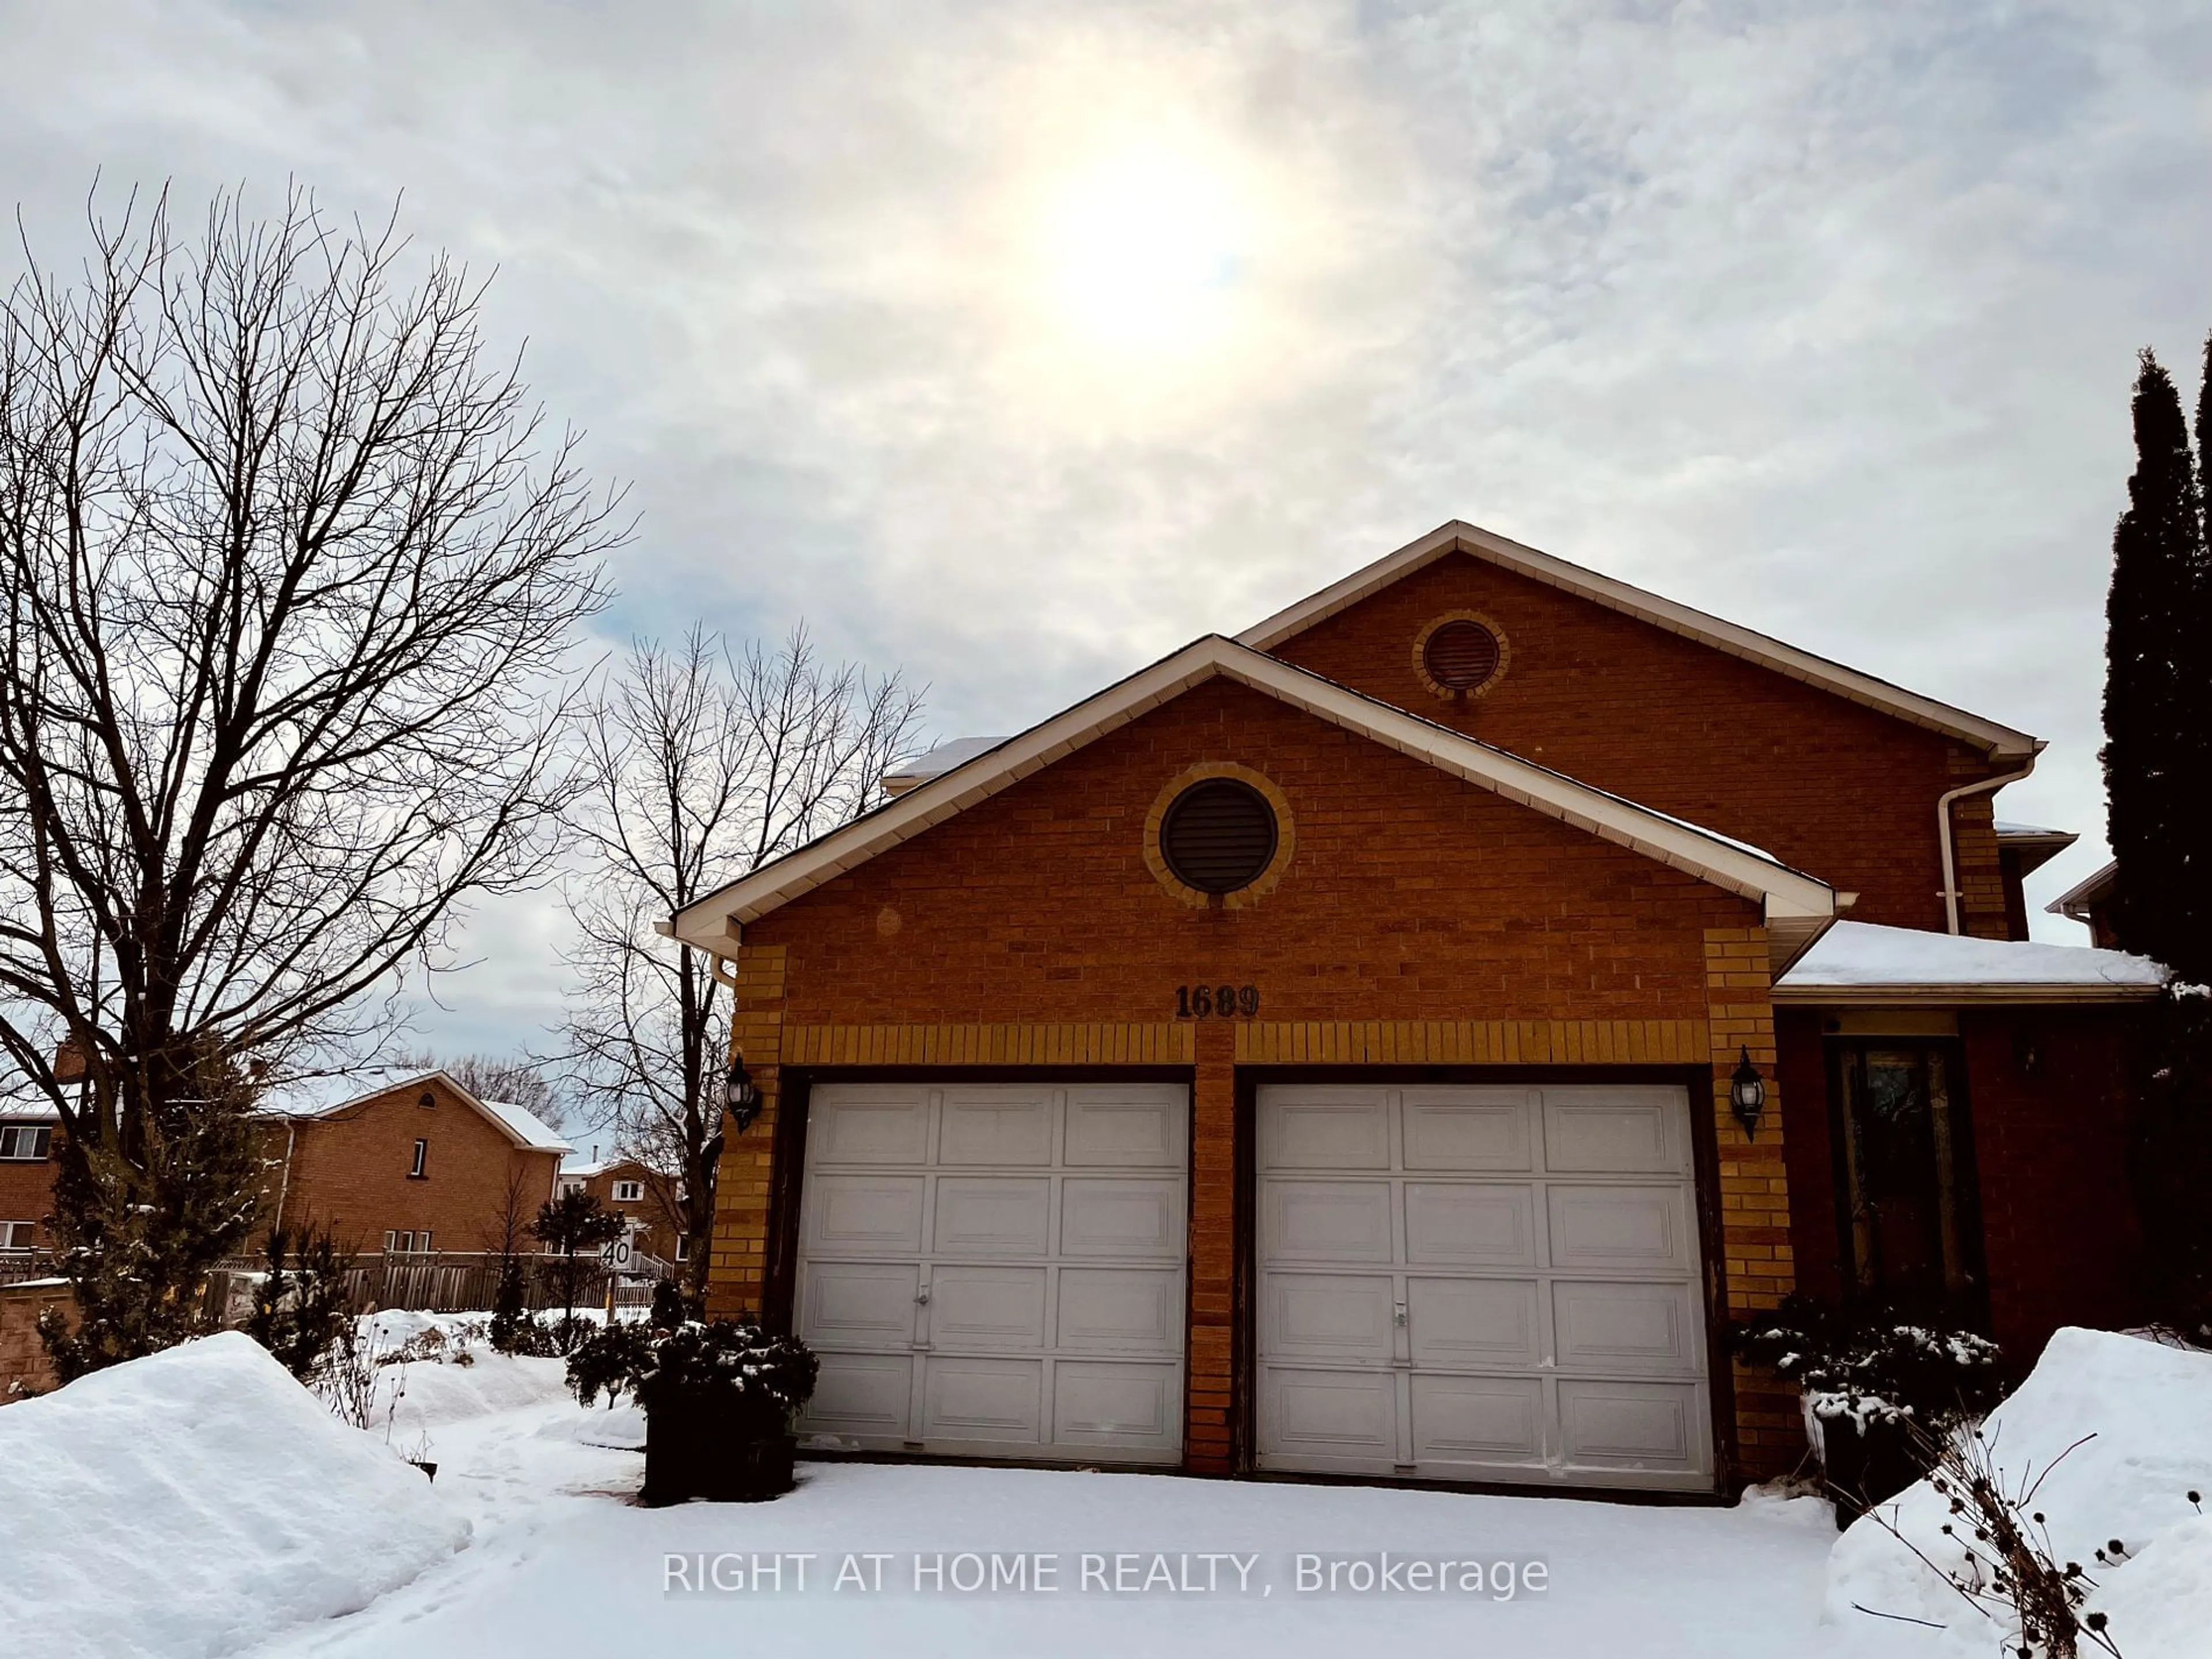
(1016, 345)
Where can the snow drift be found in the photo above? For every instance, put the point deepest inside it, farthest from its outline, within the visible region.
(193, 1502)
(2150, 1408)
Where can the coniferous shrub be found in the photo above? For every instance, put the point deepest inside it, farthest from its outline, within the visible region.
(300, 1307)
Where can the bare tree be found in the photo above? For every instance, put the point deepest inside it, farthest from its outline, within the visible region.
(705, 764)
(288, 565)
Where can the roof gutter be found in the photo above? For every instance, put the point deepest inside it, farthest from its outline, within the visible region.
(1943, 831)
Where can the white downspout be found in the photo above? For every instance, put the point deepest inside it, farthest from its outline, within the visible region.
(1943, 831)
(284, 1186)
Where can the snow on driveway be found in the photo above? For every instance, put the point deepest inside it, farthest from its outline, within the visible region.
(562, 1562)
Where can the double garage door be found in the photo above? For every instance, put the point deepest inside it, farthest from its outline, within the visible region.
(1469, 1283)
(1492, 1284)
(997, 1269)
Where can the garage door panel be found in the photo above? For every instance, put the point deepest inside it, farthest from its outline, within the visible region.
(1472, 1129)
(996, 1125)
(1121, 1216)
(859, 1304)
(1613, 1130)
(1328, 1129)
(1329, 1316)
(1345, 1416)
(997, 1269)
(1633, 1426)
(864, 1214)
(871, 1125)
(1632, 1327)
(1099, 1403)
(1475, 1323)
(1513, 1295)
(987, 1400)
(992, 1215)
(972, 1307)
(1471, 1226)
(1124, 1309)
(862, 1394)
(1129, 1128)
(1333, 1221)
(1477, 1419)
(1621, 1229)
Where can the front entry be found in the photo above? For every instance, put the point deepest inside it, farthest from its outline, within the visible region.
(996, 1270)
(1481, 1283)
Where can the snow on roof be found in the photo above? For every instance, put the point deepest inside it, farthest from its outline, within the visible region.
(937, 762)
(28, 1110)
(2032, 832)
(1853, 958)
(312, 1096)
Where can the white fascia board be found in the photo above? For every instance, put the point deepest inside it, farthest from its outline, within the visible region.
(2074, 902)
(711, 922)
(1999, 741)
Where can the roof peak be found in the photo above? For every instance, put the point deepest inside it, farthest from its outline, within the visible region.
(1996, 740)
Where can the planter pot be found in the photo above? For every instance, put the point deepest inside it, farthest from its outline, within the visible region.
(1862, 1464)
(695, 1452)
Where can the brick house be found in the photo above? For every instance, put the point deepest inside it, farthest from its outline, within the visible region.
(26, 1175)
(647, 1199)
(407, 1161)
(1399, 1041)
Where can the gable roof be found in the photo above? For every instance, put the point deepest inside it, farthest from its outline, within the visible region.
(1797, 907)
(1998, 742)
(334, 1092)
(2092, 889)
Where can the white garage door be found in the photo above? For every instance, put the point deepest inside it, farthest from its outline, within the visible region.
(1481, 1284)
(996, 1270)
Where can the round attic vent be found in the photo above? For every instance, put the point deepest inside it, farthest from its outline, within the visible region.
(1218, 835)
(1461, 654)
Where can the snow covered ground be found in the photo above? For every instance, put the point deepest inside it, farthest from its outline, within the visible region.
(559, 1561)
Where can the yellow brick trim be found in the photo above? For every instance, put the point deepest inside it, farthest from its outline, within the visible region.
(1469, 694)
(1473, 1042)
(1104, 1043)
(1286, 837)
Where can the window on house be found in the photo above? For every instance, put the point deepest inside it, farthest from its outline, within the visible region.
(682, 1248)
(25, 1143)
(421, 1166)
(398, 1243)
(629, 1192)
(1911, 1226)
(17, 1235)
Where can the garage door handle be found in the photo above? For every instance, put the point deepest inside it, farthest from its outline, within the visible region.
(922, 1300)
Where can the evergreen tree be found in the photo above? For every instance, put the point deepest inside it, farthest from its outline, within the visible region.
(301, 1307)
(572, 1223)
(2156, 697)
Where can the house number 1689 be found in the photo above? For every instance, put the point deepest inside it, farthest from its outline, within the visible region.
(1227, 1002)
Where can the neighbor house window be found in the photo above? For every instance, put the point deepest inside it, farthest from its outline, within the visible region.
(398, 1243)
(629, 1192)
(421, 1166)
(17, 1235)
(1911, 1227)
(683, 1247)
(25, 1143)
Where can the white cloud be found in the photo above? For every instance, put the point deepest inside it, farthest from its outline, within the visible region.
(1019, 343)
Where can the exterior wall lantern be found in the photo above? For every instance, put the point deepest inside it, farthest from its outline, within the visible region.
(741, 1095)
(1748, 1094)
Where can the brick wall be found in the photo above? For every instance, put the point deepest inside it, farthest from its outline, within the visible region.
(27, 1192)
(1824, 784)
(24, 1368)
(351, 1172)
(2047, 1096)
(1421, 917)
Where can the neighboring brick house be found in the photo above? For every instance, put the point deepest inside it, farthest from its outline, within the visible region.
(646, 1198)
(26, 1176)
(1317, 1052)
(407, 1161)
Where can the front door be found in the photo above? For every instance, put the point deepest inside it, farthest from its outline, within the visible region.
(1913, 1238)
(1481, 1283)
